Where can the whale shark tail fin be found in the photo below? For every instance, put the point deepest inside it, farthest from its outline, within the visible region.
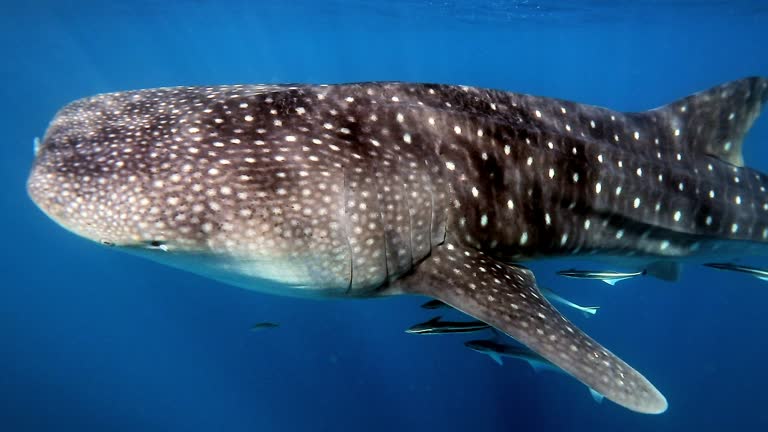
(713, 122)
(506, 297)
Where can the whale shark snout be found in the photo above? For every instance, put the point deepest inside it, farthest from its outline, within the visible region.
(75, 180)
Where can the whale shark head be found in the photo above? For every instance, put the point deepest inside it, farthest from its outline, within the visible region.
(168, 175)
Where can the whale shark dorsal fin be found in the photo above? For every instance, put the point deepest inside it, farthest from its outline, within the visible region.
(714, 122)
(507, 298)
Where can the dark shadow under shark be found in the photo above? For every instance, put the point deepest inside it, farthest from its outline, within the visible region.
(375, 189)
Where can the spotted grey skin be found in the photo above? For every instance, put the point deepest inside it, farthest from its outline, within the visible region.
(389, 188)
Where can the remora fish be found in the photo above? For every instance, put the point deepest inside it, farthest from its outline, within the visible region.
(609, 277)
(497, 351)
(435, 304)
(756, 272)
(375, 189)
(554, 297)
(549, 294)
(435, 326)
(264, 326)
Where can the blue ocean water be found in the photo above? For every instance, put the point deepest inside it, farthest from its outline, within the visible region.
(92, 339)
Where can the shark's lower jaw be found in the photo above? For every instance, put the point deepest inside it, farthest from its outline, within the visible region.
(399, 188)
(285, 276)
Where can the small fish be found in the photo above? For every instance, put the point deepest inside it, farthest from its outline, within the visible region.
(609, 277)
(756, 272)
(435, 304)
(553, 297)
(435, 326)
(264, 326)
(497, 351)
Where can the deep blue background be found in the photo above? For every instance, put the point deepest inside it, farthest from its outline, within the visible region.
(92, 339)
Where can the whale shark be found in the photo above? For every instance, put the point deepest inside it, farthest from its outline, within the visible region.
(387, 188)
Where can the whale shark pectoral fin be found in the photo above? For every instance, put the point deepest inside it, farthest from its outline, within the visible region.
(507, 298)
